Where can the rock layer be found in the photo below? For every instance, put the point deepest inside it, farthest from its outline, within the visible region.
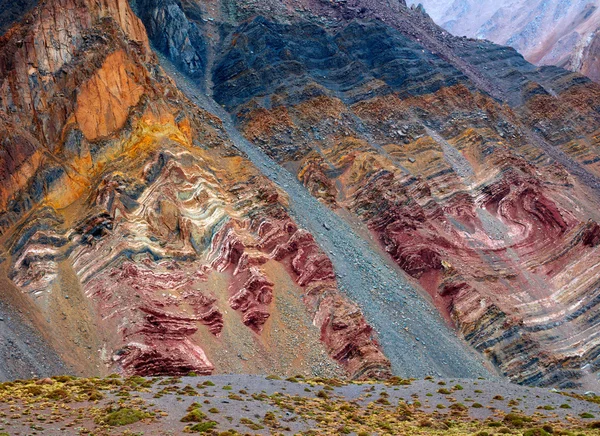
(545, 32)
(487, 205)
(135, 226)
(475, 172)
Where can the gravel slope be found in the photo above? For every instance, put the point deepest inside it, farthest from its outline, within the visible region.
(23, 354)
(413, 335)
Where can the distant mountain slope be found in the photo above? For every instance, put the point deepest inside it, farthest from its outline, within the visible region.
(546, 32)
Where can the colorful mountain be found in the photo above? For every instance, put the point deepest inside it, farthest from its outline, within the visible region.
(305, 187)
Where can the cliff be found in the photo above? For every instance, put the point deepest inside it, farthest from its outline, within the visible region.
(148, 243)
(298, 186)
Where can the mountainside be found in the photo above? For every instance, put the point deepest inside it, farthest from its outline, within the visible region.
(298, 186)
(556, 32)
(138, 229)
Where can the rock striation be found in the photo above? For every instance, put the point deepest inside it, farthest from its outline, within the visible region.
(471, 167)
(137, 226)
(562, 33)
(148, 243)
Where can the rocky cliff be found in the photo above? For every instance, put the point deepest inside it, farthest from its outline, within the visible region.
(153, 213)
(559, 32)
(148, 243)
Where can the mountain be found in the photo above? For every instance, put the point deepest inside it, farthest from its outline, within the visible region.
(303, 186)
(556, 32)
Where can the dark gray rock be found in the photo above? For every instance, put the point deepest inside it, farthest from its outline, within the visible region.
(177, 35)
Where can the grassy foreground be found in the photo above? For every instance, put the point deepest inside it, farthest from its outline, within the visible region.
(257, 405)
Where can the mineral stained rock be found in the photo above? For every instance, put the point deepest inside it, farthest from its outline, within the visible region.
(142, 233)
(147, 242)
(476, 171)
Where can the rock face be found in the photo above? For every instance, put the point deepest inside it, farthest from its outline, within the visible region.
(487, 203)
(147, 242)
(563, 33)
(12, 11)
(133, 221)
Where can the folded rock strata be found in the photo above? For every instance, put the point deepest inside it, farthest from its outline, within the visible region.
(147, 242)
(474, 170)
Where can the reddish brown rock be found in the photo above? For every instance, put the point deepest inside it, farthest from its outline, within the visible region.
(490, 236)
(119, 193)
(104, 101)
(591, 235)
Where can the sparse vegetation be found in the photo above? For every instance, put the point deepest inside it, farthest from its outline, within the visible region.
(194, 415)
(201, 427)
(536, 432)
(273, 377)
(121, 416)
(323, 405)
(251, 424)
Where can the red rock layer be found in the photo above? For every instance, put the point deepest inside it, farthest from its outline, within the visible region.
(493, 238)
(120, 194)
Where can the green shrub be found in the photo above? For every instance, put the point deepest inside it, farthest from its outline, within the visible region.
(273, 377)
(516, 420)
(123, 416)
(251, 424)
(458, 406)
(536, 432)
(202, 427)
(195, 415)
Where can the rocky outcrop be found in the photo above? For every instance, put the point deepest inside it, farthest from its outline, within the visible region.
(476, 172)
(137, 229)
(117, 74)
(183, 40)
(469, 220)
(12, 12)
(466, 194)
